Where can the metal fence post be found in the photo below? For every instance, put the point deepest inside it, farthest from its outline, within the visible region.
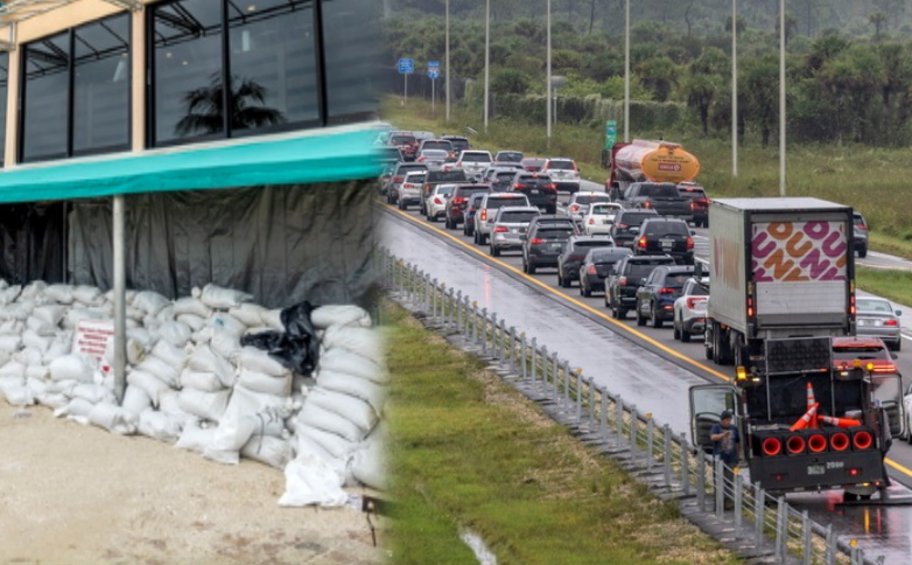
(494, 348)
(579, 394)
(513, 349)
(685, 466)
(474, 322)
(759, 514)
(781, 530)
(634, 424)
(458, 313)
(738, 486)
(603, 416)
(701, 479)
(619, 419)
(829, 557)
(522, 356)
(719, 480)
(666, 455)
(590, 384)
(806, 537)
(484, 331)
(566, 367)
(555, 371)
(650, 438)
(447, 308)
(534, 349)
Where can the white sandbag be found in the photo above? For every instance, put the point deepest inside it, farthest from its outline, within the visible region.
(206, 405)
(273, 319)
(249, 313)
(93, 393)
(78, 407)
(226, 344)
(223, 298)
(272, 451)
(198, 380)
(61, 387)
(40, 327)
(129, 295)
(233, 433)
(261, 382)
(17, 311)
(151, 323)
(53, 400)
(353, 409)
(9, 295)
(192, 321)
(227, 323)
(37, 372)
(259, 361)
(135, 352)
(50, 314)
(75, 315)
(203, 336)
(169, 403)
(13, 368)
(33, 340)
(195, 438)
(11, 327)
(158, 425)
(205, 360)
(368, 466)
(32, 290)
(348, 363)
(269, 410)
(314, 416)
(175, 333)
(150, 302)
(174, 356)
(310, 480)
(17, 395)
(135, 314)
(136, 401)
(225, 457)
(113, 418)
(340, 315)
(337, 446)
(37, 385)
(61, 345)
(166, 314)
(29, 357)
(193, 306)
(142, 336)
(10, 343)
(148, 383)
(88, 295)
(363, 341)
(59, 293)
(12, 380)
(162, 370)
(374, 394)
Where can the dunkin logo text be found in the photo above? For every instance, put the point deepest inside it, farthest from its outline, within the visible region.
(799, 251)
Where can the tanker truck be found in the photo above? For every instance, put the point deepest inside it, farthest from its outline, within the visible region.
(649, 161)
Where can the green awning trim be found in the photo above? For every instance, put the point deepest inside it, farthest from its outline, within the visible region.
(316, 156)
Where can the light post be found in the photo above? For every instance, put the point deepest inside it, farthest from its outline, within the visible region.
(734, 103)
(627, 71)
(548, 73)
(781, 97)
(447, 61)
(487, 73)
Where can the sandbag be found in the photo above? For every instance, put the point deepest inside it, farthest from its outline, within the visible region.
(166, 314)
(207, 361)
(112, 418)
(73, 367)
(226, 344)
(352, 408)
(92, 393)
(273, 319)
(314, 416)
(270, 410)
(272, 451)
(202, 336)
(233, 433)
(59, 293)
(37, 372)
(261, 382)
(49, 314)
(259, 361)
(53, 400)
(337, 446)
(158, 425)
(249, 313)
(32, 290)
(198, 380)
(11, 327)
(195, 438)
(205, 405)
(148, 383)
(136, 401)
(88, 295)
(13, 368)
(310, 480)
(225, 457)
(194, 322)
(149, 302)
(16, 392)
(348, 363)
(227, 323)
(340, 315)
(33, 340)
(174, 356)
(170, 404)
(222, 298)
(37, 385)
(142, 336)
(162, 370)
(10, 343)
(175, 333)
(77, 408)
(364, 389)
(29, 357)
(135, 352)
(9, 295)
(368, 465)
(363, 341)
(192, 306)
(17, 311)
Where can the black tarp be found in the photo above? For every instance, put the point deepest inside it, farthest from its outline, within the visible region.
(32, 242)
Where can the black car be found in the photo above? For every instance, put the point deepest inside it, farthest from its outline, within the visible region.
(699, 203)
(544, 241)
(666, 235)
(575, 250)
(468, 224)
(457, 205)
(597, 266)
(459, 143)
(861, 234)
(663, 197)
(627, 226)
(499, 178)
(538, 189)
(628, 274)
(434, 178)
(656, 297)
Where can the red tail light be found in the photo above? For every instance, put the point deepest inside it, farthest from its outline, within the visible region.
(591, 221)
(641, 243)
(550, 186)
(574, 208)
(839, 441)
(397, 180)
(591, 270)
(519, 186)
(693, 300)
(817, 443)
(536, 241)
(771, 446)
(647, 204)
(795, 445)
(750, 307)
(622, 281)
(484, 214)
(852, 305)
(500, 229)
(862, 440)
(891, 323)
(690, 242)
(458, 200)
(437, 200)
(884, 367)
(666, 290)
(862, 227)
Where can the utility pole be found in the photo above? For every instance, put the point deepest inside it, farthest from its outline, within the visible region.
(781, 97)
(548, 77)
(734, 103)
(627, 71)
(447, 61)
(487, 73)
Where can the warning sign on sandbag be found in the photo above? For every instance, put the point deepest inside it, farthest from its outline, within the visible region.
(92, 337)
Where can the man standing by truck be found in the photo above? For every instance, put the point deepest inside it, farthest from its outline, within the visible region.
(725, 446)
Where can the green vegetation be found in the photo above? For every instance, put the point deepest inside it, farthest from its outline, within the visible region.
(469, 452)
(893, 285)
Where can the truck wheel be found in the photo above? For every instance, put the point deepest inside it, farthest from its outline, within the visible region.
(531, 268)
(495, 252)
(863, 252)
(641, 319)
(675, 330)
(620, 313)
(685, 335)
(654, 318)
(585, 291)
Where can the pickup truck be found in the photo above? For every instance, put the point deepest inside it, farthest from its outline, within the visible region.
(662, 197)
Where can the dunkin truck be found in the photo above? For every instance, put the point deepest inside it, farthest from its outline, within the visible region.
(782, 286)
(649, 161)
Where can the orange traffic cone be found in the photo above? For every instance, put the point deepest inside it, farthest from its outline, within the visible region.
(803, 421)
(840, 422)
(811, 401)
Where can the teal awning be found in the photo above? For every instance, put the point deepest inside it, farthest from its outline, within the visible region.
(311, 157)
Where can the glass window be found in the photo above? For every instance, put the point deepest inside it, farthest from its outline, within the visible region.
(352, 53)
(4, 78)
(273, 64)
(46, 98)
(101, 85)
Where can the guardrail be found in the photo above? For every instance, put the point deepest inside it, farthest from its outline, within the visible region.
(707, 490)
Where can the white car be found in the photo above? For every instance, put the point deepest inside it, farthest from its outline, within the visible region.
(435, 205)
(579, 203)
(690, 309)
(433, 158)
(472, 161)
(599, 218)
(410, 189)
(563, 172)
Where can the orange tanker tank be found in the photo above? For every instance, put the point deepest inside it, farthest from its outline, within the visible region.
(656, 161)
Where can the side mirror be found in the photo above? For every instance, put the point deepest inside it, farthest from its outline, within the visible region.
(693, 232)
(899, 312)
(894, 355)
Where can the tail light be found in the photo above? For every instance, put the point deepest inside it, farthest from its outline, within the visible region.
(592, 222)
(771, 446)
(891, 323)
(550, 186)
(591, 270)
(647, 204)
(397, 180)
(750, 307)
(437, 200)
(458, 200)
(536, 241)
(484, 214)
(693, 300)
(862, 440)
(884, 367)
(862, 227)
(839, 441)
(622, 226)
(641, 243)
(852, 305)
(690, 243)
(519, 186)
(422, 159)
(500, 229)
(666, 290)
(622, 281)
(795, 445)
(574, 208)
(693, 205)
(817, 443)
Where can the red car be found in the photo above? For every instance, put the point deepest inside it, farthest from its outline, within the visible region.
(846, 350)
(406, 142)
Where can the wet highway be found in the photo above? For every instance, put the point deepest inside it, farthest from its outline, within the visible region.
(646, 366)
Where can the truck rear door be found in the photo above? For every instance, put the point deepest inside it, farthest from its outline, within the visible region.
(707, 402)
(887, 389)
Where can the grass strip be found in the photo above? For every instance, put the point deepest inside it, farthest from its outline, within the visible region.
(467, 451)
(891, 284)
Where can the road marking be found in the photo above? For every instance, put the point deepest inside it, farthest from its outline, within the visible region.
(587, 308)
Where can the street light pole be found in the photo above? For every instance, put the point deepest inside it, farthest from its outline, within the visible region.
(781, 97)
(627, 71)
(447, 61)
(548, 77)
(734, 88)
(487, 74)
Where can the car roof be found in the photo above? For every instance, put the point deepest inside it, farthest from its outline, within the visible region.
(664, 219)
(517, 209)
(507, 195)
(649, 258)
(648, 211)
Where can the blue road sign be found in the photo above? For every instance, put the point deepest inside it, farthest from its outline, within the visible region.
(433, 73)
(406, 66)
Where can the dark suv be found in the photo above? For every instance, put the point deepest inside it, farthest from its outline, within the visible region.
(663, 197)
(861, 234)
(568, 263)
(456, 206)
(699, 203)
(666, 235)
(629, 273)
(468, 224)
(544, 241)
(655, 299)
(538, 189)
(627, 226)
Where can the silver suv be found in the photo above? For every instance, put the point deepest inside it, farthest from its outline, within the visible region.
(510, 225)
(487, 210)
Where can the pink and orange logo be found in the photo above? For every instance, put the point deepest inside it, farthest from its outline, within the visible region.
(799, 251)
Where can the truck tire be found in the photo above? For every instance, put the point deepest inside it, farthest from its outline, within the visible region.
(721, 348)
(641, 319)
(654, 317)
(685, 335)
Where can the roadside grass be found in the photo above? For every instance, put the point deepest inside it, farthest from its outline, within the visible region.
(875, 181)
(468, 452)
(891, 284)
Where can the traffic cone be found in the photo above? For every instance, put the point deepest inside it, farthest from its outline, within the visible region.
(840, 422)
(811, 401)
(803, 421)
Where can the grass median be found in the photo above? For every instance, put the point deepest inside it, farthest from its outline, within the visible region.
(469, 452)
(893, 285)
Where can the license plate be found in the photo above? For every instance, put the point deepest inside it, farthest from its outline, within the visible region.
(815, 470)
(533, 192)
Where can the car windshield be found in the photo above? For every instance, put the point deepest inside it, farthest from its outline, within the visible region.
(403, 169)
(533, 179)
(468, 191)
(498, 202)
(445, 190)
(446, 176)
(849, 353)
(443, 145)
(509, 156)
(610, 255)
(635, 218)
(589, 243)
(590, 198)
(665, 228)
(562, 164)
(554, 233)
(604, 210)
(459, 144)
(518, 217)
(641, 270)
(874, 305)
(415, 177)
(691, 192)
(402, 140)
(676, 279)
(505, 176)
(658, 191)
(533, 162)
(699, 290)
(476, 158)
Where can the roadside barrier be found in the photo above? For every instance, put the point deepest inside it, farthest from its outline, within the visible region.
(710, 494)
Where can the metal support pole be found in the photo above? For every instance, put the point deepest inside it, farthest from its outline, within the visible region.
(120, 300)
(475, 323)
(513, 351)
(830, 555)
(634, 426)
(556, 372)
(650, 437)
(701, 479)
(619, 419)
(484, 331)
(781, 530)
(432, 288)
(719, 480)
(666, 455)
(458, 314)
(503, 342)
(522, 357)
(579, 394)
(495, 351)
(534, 370)
(591, 388)
(685, 466)
(759, 514)
(603, 420)
(806, 537)
(466, 330)
(739, 480)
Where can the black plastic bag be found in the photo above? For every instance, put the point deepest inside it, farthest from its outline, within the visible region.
(297, 347)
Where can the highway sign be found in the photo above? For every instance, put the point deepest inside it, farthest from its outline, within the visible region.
(611, 133)
(433, 71)
(406, 66)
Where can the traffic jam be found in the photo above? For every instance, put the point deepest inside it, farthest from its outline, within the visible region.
(758, 290)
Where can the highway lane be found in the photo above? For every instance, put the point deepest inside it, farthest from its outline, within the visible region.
(654, 373)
